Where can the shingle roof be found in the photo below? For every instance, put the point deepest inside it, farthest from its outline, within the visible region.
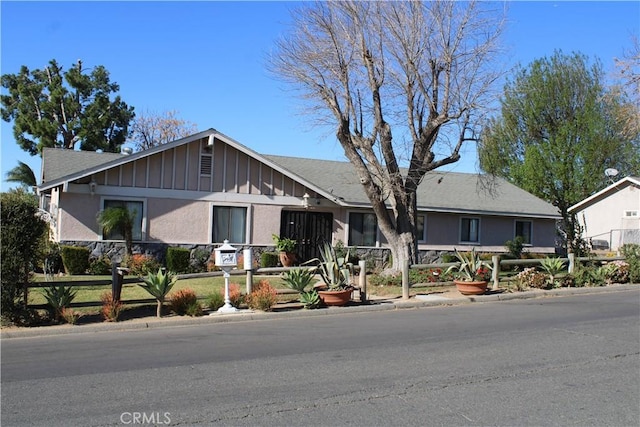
(58, 163)
(439, 191)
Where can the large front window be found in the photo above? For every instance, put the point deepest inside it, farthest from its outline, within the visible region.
(135, 208)
(362, 229)
(229, 223)
(470, 230)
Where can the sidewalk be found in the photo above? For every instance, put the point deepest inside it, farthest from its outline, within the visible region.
(375, 304)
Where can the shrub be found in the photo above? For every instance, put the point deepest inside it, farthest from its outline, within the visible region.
(100, 266)
(632, 254)
(236, 296)
(198, 261)
(589, 276)
(268, 259)
(70, 316)
(178, 259)
(21, 233)
(262, 297)
(182, 300)
(110, 309)
(215, 301)
(194, 310)
(530, 278)
(58, 298)
(431, 275)
(616, 272)
(141, 265)
(75, 259)
(515, 247)
(52, 260)
(394, 279)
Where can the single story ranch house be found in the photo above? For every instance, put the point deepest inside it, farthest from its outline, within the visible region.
(200, 190)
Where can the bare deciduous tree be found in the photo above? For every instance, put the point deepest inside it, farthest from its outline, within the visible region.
(152, 129)
(423, 70)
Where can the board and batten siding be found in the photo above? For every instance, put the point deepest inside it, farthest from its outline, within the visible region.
(197, 167)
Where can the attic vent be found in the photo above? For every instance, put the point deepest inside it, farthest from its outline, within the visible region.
(206, 164)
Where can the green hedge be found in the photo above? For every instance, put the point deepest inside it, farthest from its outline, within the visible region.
(75, 259)
(178, 259)
(268, 259)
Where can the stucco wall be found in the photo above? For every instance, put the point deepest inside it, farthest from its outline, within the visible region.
(77, 213)
(183, 221)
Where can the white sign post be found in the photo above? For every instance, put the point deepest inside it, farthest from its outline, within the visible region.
(226, 259)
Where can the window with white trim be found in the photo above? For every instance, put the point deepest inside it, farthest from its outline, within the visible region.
(523, 229)
(135, 207)
(229, 223)
(362, 229)
(469, 230)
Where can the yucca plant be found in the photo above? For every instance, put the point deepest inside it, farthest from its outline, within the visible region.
(159, 285)
(59, 298)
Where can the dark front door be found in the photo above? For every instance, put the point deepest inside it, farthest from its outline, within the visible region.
(309, 229)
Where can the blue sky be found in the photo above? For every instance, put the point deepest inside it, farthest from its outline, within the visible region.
(206, 60)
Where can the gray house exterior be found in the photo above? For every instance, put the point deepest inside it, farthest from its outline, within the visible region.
(205, 188)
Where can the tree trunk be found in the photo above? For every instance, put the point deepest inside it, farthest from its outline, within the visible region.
(159, 309)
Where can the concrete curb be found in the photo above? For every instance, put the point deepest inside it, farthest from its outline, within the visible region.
(247, 315)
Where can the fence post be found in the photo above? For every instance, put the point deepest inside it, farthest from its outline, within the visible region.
(248, 267)
(572, 262)
(495, 273)
(362, 280)
(405, 279)
(116, 282)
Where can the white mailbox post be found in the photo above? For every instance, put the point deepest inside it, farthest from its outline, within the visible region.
(226, 257)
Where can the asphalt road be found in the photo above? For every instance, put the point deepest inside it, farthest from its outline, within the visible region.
(556, 361)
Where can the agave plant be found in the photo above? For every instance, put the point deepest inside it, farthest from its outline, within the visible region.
(59, 298)
(470, 267)
(335, 270)
(298, 279)
(310, 300)
(552, 266)
(159, 285)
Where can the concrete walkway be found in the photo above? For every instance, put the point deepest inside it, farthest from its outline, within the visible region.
(375, 304)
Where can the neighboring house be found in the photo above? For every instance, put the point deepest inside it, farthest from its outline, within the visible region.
(205, 188)
(611, 217)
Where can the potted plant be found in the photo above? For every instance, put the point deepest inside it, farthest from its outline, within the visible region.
(335, 272)
(286, 247)
(471, 273)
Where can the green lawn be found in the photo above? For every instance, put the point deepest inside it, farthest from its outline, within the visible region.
(202, 286)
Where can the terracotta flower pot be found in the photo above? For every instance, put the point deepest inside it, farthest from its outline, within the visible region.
(336, 298)
(287, 259)
(471, 288)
